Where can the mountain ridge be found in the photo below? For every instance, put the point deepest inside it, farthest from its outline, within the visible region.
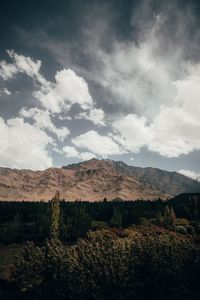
(93, 180)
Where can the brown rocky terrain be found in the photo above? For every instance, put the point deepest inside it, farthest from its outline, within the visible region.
(93, 180)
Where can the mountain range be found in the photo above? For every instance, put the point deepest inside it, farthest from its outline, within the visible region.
(94, 180)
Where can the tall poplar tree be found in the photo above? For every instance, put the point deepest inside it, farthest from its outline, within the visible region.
(55, 216)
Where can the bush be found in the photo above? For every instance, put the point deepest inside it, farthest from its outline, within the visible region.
(98, 225)
(196, 226)
(40, 271)
(102, 266)
(190, 230)
(182, 222)
(181, 229)
(144, 221)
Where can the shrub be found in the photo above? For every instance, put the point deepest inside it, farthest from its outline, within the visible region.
(190, 230)
(182, 222)
(196, 226)
(98, 225)
(181, 229)
(144, 221)
(40, 271)
(102, 266)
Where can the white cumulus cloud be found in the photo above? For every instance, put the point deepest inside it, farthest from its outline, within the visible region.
(175, 128)
(5, 91)
(42, 119)
(23, 145)
(59, 96)
(86, 155)
(71, 152)
(95, 115)
(21, 64)
(68, 89)
(189, 173)
(98, 144)
(133, 132)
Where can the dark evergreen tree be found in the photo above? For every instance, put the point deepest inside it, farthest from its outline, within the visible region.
(159, 218)
(116, 220)
(169, 218)
(55, 216)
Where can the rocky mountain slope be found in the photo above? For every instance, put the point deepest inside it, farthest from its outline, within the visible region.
(93, 180)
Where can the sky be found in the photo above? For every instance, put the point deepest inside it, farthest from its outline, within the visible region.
(114, 79)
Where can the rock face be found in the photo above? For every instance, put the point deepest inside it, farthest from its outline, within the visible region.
(93, 180)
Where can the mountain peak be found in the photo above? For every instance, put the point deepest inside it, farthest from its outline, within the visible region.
(93, 180)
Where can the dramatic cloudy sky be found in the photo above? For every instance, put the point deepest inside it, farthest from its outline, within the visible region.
(107, 79)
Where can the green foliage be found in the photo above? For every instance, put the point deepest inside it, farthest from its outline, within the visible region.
(102, 266)
(145, 221)
(165, 265)
(181, 229)
(63, 227)
(98, 225)
(35, 221)
(79, 223)
(12, 231)
(190, 230)
(28, 268)
(141, 262)
(42, 225)
(41, 271)
(196, 226)
(182, 222)
(169, 218)
(159, 218)
(116, 220)
(55, 216)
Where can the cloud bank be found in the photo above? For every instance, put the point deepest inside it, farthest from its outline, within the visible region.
(24, 146)
(191, 174)
(115, 93)
(34, 131)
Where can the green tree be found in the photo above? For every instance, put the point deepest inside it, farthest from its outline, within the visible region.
(63, 228)
(102, 266)
(79, 222)
(159, 218)
(169, 218)
(28, 269)
(42, 224)
(40, 272)
(12, 231)
(55, 216)
(116, 220)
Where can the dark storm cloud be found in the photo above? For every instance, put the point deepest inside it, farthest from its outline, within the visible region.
(100, 40)
(67, 20)
(70, 35)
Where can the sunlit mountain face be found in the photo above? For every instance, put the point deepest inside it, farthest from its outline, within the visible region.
(115, 80)
(94, 180)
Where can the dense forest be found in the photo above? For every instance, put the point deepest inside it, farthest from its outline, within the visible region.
(103, 250)
(22, 221)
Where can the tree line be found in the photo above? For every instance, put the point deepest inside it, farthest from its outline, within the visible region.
(103, 265)
(22, 221)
